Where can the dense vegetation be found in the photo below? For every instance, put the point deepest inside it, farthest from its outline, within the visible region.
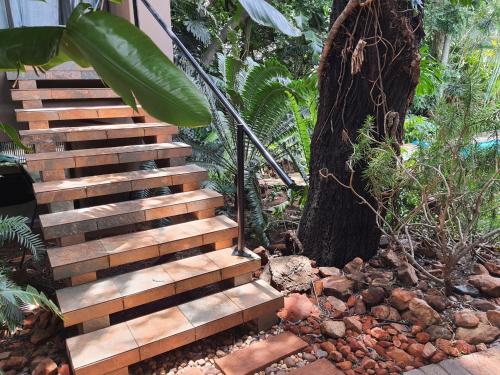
(438, 190)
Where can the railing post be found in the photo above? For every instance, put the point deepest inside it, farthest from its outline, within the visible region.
(240, 188)
(136, 13)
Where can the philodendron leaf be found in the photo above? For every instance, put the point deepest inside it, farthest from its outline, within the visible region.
(265, 14)
(28, 46)
(11, 132)
(134, 67)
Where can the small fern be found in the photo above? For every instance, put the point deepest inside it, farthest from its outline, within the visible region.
(15, 229)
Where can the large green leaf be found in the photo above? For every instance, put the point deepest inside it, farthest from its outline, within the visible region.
(265, 14)
(133, 66)
(11, 132)
(28, 46)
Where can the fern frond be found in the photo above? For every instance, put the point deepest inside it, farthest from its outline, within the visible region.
(14, 299)
(15, 229)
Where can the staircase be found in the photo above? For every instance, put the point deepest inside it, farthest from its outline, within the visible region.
(119, 268)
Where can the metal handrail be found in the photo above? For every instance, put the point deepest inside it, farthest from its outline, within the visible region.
(241, 129)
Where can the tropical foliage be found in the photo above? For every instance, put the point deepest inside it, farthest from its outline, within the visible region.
(13, 298)
(125, 58)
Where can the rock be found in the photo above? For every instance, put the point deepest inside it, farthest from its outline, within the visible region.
(385, 312)
(481, 347)
(422, 313)
(428, 350)
(4, 355)
(422, 337)
(483, 318)
(391, 258)
(309, 357)
(14, 363)
(466, 289)
(464, 348)
(264, 256)
(353, 324)
(407, 274)
(384, 241)
(436, 332)
(297, 307)
(479, 269)
(493, 268)
(354, 266)
(482, 333)
(321, 353)
(338, 286)
(328, 346)
(329, 271)
(318, 287)
(64, 370)
(359, 307)
(289, 273)
(439, 356)
(466, 319)
(368, 363)
(483, 304)
(400, 298)
(41, 334)
(380, 334)
(494, 317)
(488, 285)
(373, 295)
(333, 329)
(344, 365)
(336, 305)
(416, 349)
(46, 367)
(401, 358)
(447, 347)
(436, 301)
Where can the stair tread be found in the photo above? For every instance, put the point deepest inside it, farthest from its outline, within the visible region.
(85, 302)
(103, 253)
(79, 112)
(57, 109)
(103, 151)
(111, 215)
(106, 155)
(126, 343)
(96, 132)
(63, 93)
(91, 186)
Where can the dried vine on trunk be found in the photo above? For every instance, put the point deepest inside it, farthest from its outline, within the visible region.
(369, 67)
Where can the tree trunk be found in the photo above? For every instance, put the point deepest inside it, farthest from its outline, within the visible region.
(336, 226)
(446, 50)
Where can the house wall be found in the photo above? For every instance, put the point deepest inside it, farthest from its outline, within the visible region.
(147, 23)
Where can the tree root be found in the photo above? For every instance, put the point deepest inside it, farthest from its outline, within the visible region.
(349, 8)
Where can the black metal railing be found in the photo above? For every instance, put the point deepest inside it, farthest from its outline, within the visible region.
(242, 128)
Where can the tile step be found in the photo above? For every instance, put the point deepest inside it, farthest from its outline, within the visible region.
(96, 132)
(107, 296)
(93, 186)
(118, 346)
(78, 113)
(46, 161)
(74, 260)
(89, 219)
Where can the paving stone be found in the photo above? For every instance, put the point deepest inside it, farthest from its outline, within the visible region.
(320, 367)
(260, 355)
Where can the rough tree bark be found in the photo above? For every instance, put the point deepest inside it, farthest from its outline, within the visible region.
(371, 67)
